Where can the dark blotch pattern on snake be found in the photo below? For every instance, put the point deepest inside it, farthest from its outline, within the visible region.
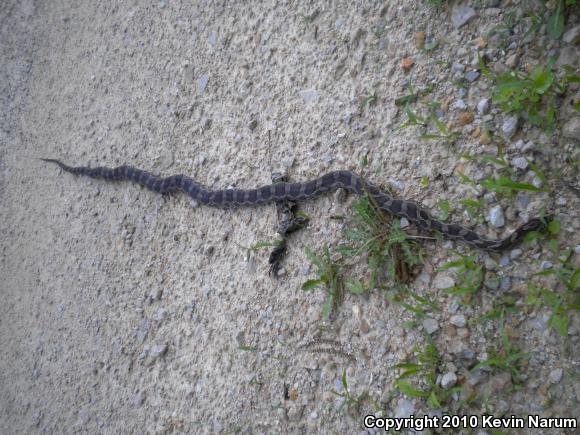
(301, 191)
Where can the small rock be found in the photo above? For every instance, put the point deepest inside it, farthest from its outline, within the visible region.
(461, 15)
(572, 36)
(404, 222)
(492, 282)
(407, 63)
(138, 399)
(448, 380)
(520, 163)
(158, 350)
(458, 320)
(404, 409)
(568, 56)
(509, 126)
(496, 217)
(523, 200)
(516, 253)
(160, 314)
(556, 376)
(472, 76)
(504, 261)
(577, 249)
(309, 95)
(545, 265)
(202, 83)
(571, 129)
(253, 124)
(430, 325)
(442, 282)
(512, 61)
(457, 67)
(212, 39)
(505, 283)
(459, 104)
(483, 106)
(313, 415)
(561, 201)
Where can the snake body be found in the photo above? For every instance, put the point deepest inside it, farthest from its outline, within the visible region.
(331, 181)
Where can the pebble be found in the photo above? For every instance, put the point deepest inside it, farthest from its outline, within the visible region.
(492, 283)
(459, 104)
(490, 197)
(458, 320)
(309, 95)
(448, 380)
(571, 129)
(516, 253)
(483, 106)
(404, 409)
(568, 56)
(523, 200)
(561, 200)
(577, 249)
(212, 39)
(509, 126)
(572, 36)
(472, 76)
(442, 282)
(505, 283)
(404, 223)
(160, 314)
(202, 83)
(457, 67)
(138, 399)
(461, 15)
(158, 350)
(556, 376)
(313, 415)
(545, 265)
(520, 163)
(430, 325)
(504, 261)
(253, 124)
(496, 217)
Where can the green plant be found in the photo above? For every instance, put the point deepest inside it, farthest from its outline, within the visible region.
(329, 277)
(367, 100)
(504, 184)
(564, 302)
(469, 274)
(505, 357)
(387, 248)
(351, 402)
(426, 367)
(260, 245)
(533, 95)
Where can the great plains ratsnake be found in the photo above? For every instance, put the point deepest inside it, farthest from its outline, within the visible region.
(300, 191)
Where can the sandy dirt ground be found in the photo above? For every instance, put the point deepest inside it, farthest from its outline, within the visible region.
(126, 312)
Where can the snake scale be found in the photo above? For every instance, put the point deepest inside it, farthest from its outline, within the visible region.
(347, 180)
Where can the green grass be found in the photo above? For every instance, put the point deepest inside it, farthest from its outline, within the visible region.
(425, 368)
(388, 250)
(329, 277)
(532, 95)
(505, 184)
(351, 402)
(469, 274)
(505, 357)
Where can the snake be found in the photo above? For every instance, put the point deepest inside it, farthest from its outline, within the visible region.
(300, 191)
